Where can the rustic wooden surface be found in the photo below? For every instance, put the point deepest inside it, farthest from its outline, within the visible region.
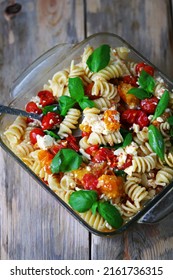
(32, 224)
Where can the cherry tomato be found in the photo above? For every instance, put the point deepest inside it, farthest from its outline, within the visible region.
(103, 154)
(149, 105)
(92, 150)
(129, 116)
(90, 181)
(72, 143)
(88, 91)
(33, 134)
(130, 80)
(143, 66)
(46, 97)
(85, 134)
(142, 119)
(32, 107)
(50, 120)
(56, 148)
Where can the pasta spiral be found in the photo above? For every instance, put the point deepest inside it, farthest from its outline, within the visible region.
(16, 130)
(134, 190)
(164, 176)
(111, 139)
(144, 164)
(104, 89)
(70, 121)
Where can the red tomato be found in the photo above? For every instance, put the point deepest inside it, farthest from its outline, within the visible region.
(72, 143)
(129, 116)
(130, 80)
(46, 97)
(143, 66)
(85, 134)
(149, 105)
(103, 154)
(56, 148)
(50, 120)
(90, 181)
(32, 107)
(142, 119)
(92, 150)
(88, 91)
(33, 134)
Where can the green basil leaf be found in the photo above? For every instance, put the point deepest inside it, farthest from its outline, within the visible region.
(65, 102)
(156, 141)
(171, 132)
(170, 120)
(52, 134)
(85, 102)
(51, 108)
(162, 105)
(94, 207)
(110, 214)
(99, 59)
(82, 200)
(140, 93)
(127, 140)
(146, 81)
(65, 160)
(120, 173)
(76, 88)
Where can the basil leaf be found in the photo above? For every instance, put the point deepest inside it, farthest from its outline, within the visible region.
(110, 214)
(99, 59)
(94, 207)
(120, 173)
(51, 108)
(65, 103)
(85, 102)
(52, 134)
(127, 140)
(82, 200)
(76, 88)
(170, 120)
(146, 81)
(162, 105)
(156, 141)
(171, 132)
(140, 93)
(65, 160)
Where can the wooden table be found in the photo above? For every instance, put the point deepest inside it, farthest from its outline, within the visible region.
(33, 225)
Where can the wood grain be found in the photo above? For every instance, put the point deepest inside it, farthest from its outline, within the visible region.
(33, 224)
(146, 25)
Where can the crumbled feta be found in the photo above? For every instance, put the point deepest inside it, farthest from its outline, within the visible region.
(129, 170)
(45, 142)
(36, 99)
(150, 117)
(136, 128)
(159, 119)
(131, 149)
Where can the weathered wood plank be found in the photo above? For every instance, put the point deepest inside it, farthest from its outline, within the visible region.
(146, 25)
(32, 223)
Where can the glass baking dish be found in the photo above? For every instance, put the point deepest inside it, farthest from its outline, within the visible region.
(30, 82)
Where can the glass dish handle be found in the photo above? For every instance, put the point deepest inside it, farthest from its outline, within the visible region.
(160, 210)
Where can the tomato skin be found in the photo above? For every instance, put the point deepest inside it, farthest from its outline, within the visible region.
(149, 105)
(92, 150)
(31, 107)
(130, 80)
(46, 97)
(33, 134)
(56, 148)
(143, 66)
(72, 143)
(105, 155)
(142, 119)
(90, 182)
(50, 120)
(129, 116)
(85, 134)
(88, 91)
(132, 116)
